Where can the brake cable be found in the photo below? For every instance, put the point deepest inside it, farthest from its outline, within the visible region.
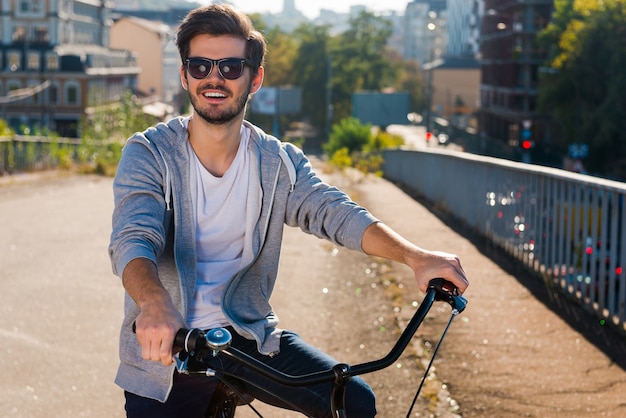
(455, 312)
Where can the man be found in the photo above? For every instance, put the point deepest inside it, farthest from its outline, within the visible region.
(200, 206)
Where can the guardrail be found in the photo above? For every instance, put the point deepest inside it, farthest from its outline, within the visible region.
(569, 227)
(22, 153)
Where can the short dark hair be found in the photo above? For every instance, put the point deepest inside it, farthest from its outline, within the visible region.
(221, 19)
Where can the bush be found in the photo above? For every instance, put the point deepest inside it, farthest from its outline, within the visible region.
(370, 163)
(383, 140)
(352, 144)
(349, 133)
(341, 158)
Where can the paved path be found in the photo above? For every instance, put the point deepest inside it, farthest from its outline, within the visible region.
(510, 354)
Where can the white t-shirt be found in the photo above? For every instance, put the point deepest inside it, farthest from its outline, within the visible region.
(221, 204)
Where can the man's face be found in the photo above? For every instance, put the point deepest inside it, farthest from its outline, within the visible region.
(216, 99)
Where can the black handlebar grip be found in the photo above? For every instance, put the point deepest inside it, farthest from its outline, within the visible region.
(448, 292)
(188, 339)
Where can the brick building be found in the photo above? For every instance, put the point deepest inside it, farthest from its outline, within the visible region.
(57, 66)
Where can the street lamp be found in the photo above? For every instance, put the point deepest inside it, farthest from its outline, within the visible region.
(329, 95)
(429, 96)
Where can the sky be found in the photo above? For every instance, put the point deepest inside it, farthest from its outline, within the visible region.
(310, 8)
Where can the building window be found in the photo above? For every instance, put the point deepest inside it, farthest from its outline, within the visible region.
(14, 61)
(13, 85)
(33, 61)
(41, 34)
(52, 62)
(35, 96)
(72, 94)
(53, 94)
(19, 34)
(31, 8)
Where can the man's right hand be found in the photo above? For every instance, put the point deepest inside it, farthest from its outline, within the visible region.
(156, 326)
(158, 319)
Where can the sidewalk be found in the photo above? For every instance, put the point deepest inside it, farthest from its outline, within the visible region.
(517, 350)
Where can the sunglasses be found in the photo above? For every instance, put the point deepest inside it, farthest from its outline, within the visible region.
(229, 68)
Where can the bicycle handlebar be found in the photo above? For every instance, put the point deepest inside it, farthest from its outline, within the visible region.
(218, 341)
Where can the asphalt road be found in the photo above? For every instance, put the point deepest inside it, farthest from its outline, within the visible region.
(61, 305)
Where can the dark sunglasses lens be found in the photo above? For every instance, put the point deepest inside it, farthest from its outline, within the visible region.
(231, 69)
(199, 68)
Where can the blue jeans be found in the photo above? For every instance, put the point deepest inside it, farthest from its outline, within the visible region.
(190, 395)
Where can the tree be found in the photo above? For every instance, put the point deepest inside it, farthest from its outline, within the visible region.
(583, 88)
(311, 67)
(279, 61)
(358, 61)
(409, 78)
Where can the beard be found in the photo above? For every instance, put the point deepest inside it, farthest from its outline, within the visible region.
(219, 116)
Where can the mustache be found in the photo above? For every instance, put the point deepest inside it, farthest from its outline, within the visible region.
(211, 86)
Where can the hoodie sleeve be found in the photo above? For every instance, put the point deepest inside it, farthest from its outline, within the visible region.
(140, 204)
(324, 210)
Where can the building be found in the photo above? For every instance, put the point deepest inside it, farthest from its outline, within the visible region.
(510, 62)
(288, 19)
(57, 64)
(463, 27)
(456, 89)
(153, 45)
(425, 30)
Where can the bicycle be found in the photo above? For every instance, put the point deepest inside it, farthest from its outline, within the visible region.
(230, 393)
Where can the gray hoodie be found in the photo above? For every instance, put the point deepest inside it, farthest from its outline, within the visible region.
(154, 218)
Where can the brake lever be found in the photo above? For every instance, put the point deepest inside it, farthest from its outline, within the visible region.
(182, 366)
(447, 292)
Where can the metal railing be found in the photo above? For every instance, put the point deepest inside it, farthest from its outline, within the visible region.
(22, 153)
(571, 228)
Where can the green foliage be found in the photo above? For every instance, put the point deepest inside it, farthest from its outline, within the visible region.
(311, 66)
(117, 121)
(99, 151)
(356, 60)
(279, 64)
(99, 157)
(584, 89)
(107, 158)
(341, 158)
(349, 133)
(383, 140)
(63, 154)
(370, 163)
(352, 144)
(5, 129)
(359, 62)
(106, 131)
(409, 79)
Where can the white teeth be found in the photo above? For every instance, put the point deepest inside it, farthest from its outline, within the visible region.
(217, 95)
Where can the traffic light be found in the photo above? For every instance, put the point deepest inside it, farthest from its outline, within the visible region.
(527, 144)
(429, 136)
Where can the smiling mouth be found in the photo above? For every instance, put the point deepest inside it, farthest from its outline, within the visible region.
(214, 95)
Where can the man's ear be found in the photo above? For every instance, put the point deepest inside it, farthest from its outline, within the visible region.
(257, 81)
(183, 78)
